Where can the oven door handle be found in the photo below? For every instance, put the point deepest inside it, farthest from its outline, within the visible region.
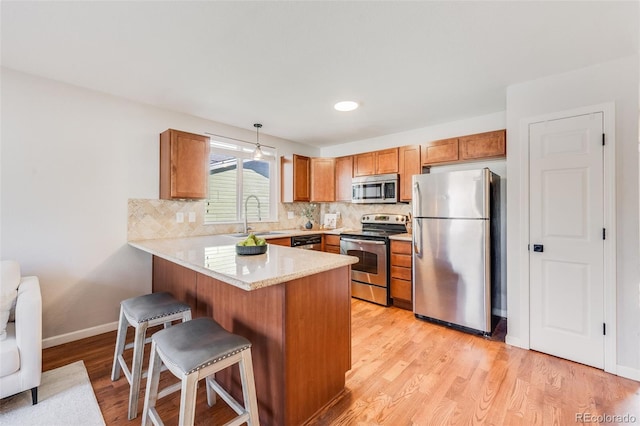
(363, 241)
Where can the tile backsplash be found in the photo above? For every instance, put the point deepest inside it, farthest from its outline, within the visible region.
(151, 219)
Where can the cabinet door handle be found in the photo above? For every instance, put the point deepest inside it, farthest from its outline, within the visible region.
(538, 248)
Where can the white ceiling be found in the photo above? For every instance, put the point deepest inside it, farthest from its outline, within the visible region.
(284, 64)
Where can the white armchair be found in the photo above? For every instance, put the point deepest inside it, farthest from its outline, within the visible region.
(21, 348)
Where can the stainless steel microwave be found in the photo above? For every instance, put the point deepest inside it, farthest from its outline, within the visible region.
(377, 189)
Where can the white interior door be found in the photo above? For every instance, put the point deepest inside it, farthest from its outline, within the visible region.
(566, 238)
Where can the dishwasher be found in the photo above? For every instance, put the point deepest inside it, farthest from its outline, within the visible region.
(307, 242)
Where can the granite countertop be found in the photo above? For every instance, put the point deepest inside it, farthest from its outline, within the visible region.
(401, 237)
(215, 256)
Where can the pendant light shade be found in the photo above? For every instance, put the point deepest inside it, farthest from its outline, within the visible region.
(257, 153)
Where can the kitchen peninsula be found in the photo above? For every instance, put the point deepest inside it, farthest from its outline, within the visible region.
(293, 305)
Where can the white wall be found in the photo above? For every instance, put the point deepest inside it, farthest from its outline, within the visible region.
(615, 81)
(469, 126)
(71, 158)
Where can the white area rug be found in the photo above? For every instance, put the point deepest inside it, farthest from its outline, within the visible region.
(65, 398)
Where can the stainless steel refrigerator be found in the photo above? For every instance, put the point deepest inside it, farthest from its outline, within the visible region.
(456, 239)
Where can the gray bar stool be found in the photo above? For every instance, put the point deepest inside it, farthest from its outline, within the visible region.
(141, 313)
(193, 351)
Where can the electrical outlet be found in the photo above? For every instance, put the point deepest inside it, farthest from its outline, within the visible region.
(290, 215)
(179, 217)
(192, 216)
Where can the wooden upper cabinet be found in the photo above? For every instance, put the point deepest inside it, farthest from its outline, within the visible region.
(364, 164)
(295, 178)
(344, 173)
(483, 145)
(323, 180)
(409, 164)
(184, 165)
(442, 151)
(376, 162)
(387, 161)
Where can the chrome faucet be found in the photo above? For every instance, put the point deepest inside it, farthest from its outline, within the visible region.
(246, 227)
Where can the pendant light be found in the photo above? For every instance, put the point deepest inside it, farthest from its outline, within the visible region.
(257, 153)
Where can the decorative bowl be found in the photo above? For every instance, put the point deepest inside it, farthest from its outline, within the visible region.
(251, 250)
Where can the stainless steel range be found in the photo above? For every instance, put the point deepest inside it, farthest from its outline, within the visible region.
(370, 276)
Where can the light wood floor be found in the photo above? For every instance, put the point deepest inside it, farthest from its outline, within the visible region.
(409, 372)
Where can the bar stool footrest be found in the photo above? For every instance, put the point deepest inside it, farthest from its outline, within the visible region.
(235, 405)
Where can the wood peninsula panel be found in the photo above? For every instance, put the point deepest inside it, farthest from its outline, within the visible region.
(409, 164)
(300, 333)
(184, 160)
(483, 145)
(176, 279)
(442, 151)
(318, 341)
(257, 316)
(344, 174)
(323, 179)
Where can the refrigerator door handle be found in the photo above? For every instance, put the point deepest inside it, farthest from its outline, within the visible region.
(417, 202)
(417, 230)
(417, 238)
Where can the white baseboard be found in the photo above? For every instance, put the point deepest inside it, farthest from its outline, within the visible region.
(628, 372)
(515, 341)
(77, 335)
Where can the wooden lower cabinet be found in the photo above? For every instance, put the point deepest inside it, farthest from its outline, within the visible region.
(332, 244)
(285, 241)
(300, 333)
(401, 274)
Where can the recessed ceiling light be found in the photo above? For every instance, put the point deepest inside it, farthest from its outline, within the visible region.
(346, 106)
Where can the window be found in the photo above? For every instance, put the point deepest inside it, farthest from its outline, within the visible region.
(235, 176)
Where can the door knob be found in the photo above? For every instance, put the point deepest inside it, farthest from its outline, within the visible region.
(538, 248)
